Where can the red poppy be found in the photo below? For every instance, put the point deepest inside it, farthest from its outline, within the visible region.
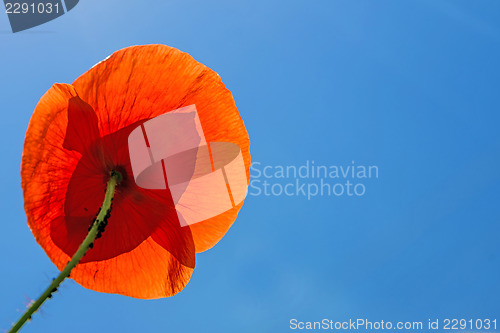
(78, 134)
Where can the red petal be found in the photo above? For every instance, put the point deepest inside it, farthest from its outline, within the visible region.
(82, 128)
(142, 82)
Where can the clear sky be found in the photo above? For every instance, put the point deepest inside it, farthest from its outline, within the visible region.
(411, 87)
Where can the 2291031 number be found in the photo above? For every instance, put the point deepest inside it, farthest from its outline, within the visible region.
(470, 324)
(25, 8)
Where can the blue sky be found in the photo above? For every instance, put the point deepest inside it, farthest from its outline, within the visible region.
(408, 86)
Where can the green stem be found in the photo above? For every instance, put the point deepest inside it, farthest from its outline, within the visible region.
(95, 230)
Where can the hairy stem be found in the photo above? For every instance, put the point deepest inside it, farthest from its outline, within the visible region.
(94, 232)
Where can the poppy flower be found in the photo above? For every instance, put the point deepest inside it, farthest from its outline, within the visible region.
(80, 132)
